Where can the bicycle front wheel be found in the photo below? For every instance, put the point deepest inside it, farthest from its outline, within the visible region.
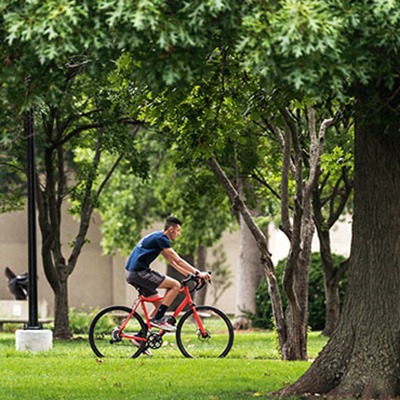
(107, 339)
(214, 341)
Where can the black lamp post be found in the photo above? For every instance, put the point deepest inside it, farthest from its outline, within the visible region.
(32, 268)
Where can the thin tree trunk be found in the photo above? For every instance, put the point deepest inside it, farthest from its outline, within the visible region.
(332, 305)
(296, 286)
(332, 277)
(201, 264)
(248, 277)
(332, 274)
(331, 285)
(362, 357)
(261, 240)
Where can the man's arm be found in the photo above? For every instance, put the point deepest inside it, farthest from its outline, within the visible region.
(181, 265)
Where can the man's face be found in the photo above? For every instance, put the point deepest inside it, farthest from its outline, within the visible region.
(174, 232)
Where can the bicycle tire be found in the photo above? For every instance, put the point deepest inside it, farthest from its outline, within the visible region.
(220, 335)
(103, 333)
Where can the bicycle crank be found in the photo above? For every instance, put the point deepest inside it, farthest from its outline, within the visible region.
(154, 341)
(115, 335)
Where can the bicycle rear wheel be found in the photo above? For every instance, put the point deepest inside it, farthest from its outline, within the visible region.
(219, 334)
(105, 334)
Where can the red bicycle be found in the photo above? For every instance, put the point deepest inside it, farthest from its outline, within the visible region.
(202, 331)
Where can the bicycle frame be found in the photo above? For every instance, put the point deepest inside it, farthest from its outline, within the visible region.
(142, 300)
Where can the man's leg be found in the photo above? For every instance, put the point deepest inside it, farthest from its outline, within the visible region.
(173, 287)
(156, 305)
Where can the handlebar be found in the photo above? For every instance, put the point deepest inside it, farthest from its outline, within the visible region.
(199, 282)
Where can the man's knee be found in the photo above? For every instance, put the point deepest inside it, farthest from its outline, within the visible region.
(172, 284)
(176, 285)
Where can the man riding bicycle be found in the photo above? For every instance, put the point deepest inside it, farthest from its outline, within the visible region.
(140, 275)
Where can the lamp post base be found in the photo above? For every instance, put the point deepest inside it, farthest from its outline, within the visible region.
(33, 340)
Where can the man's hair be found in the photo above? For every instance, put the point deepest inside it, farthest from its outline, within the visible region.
(171, 221)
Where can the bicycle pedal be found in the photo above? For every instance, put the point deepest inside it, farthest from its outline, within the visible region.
(171, 320)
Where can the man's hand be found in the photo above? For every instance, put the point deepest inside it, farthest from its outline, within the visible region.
(204, 275)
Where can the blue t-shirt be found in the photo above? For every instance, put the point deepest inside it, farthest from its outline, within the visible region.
(146, 251)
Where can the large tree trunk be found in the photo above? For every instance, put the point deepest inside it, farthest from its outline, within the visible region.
(362, 356)
(248, 277)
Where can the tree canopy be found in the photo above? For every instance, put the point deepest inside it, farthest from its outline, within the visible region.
(309, 51)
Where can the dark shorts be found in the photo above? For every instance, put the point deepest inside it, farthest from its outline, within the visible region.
(146, 282)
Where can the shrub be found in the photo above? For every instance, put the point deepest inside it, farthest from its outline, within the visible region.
(316, 295)
(80, 320)
(11, 327)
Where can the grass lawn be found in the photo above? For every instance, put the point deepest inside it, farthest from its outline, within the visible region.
(72, 371)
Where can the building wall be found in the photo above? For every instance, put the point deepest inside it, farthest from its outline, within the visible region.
(91, 283)
(99, 280)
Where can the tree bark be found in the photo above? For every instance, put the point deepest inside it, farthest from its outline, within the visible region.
(332, 298)
(61, 319)
(248, 277)
(362, 357)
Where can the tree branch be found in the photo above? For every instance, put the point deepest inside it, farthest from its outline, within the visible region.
(317, 147)
(86, 213)
(106, 179)
(290, 127)
(278, 134)
(262, 180)
(47, 237)
(335, 214)
(323, 183)
(239, 205)
(286, 225)
(75, 132)
(16, 167)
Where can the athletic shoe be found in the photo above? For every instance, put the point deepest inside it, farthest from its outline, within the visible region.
(136, 343)
(162, 324)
